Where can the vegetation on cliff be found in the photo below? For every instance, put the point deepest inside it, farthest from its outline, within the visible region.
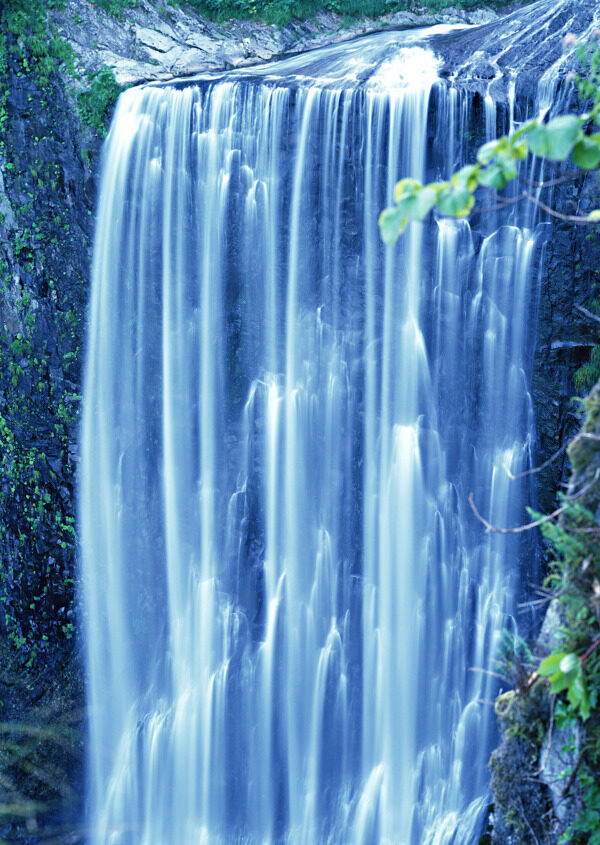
(546, 773)
(283, 11)
(46, 208)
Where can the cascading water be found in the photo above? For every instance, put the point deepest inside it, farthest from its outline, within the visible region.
(283, 419)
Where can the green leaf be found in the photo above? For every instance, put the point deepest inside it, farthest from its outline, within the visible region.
(487, 152)
(405, 186)
(493, 177)
(569, 663)
(584, 705)
(519, 150)
(416, 205)
(467, 178)
(524, 130)
(575, 692)
(556, 139)
(559, 682)
(550, 664)
(438, 187)
(457, 202)
(391, 224)
(594, 215)
(586, 154)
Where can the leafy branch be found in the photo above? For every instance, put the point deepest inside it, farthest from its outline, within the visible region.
(563, 136)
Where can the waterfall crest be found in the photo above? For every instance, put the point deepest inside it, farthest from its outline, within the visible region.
(285, 589)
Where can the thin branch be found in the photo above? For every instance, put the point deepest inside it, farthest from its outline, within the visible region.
(489, 672)
(533, 605)
(521, 528)
(568, 218)
(547, 596)
(530, 682)
(551, 183)
(503, 202)
(571, 780)
(531, 830)
(588, 314)
(593, 646)
(535, 469)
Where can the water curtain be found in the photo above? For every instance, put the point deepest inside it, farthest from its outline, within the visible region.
(285, 587)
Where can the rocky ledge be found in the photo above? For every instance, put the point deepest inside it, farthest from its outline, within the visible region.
(156, 41)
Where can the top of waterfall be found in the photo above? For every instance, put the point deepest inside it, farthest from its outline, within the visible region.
(501, 60)
(384, 59)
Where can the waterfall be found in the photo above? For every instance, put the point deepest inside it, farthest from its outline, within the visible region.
(285, 589)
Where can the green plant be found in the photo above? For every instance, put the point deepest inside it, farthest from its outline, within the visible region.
(565, 671)
(96, 102)
(561, 137)
(514, 661)
(496, 165)
(281, 12)
(116, 7)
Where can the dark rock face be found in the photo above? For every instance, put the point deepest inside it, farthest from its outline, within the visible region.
(565, 337)
(46, 218)
(42, 301)
(523, 804)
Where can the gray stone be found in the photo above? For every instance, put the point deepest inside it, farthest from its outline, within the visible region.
(158, 43)
(7, 217)
(153, 39)
(559, 754)
(549, 637)
(200, 42)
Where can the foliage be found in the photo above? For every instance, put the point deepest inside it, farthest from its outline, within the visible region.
(96, 102)
(561, 137)
(34, 45)
(283, 11)
(589, 373)
(116, 7)
(573, 667)
(565, 673)
(514, 661)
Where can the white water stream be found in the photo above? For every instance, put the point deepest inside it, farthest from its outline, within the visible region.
(285, 587)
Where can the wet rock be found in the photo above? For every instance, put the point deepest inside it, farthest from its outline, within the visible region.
(158, 43)
(523, 45)
(559, 753)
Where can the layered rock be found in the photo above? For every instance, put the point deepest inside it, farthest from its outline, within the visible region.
(158, 42)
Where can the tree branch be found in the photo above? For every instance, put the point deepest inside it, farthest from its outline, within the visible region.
(521, 528)
(535, 469)
(588, 314)
(568, 218)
